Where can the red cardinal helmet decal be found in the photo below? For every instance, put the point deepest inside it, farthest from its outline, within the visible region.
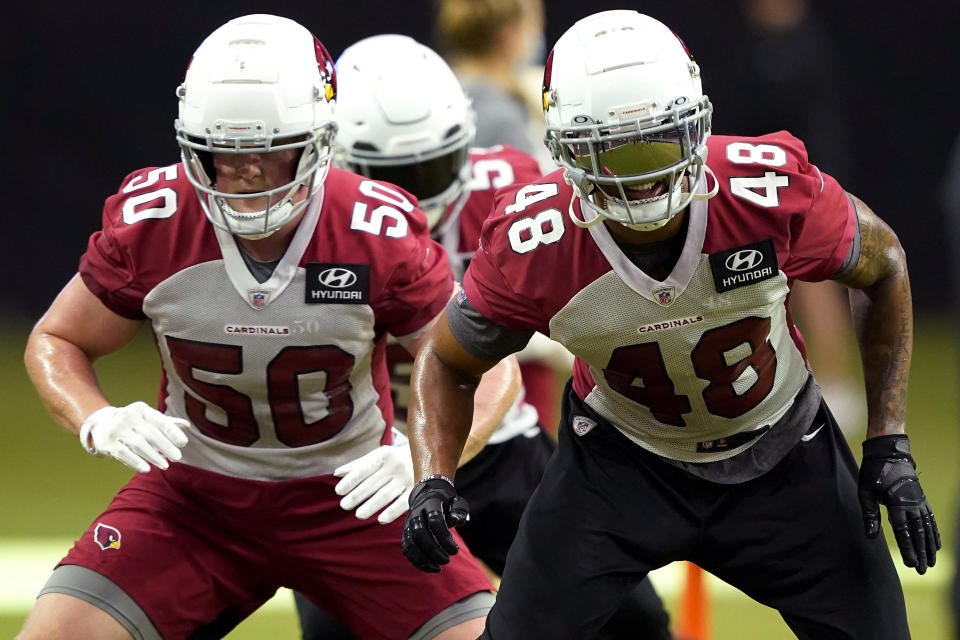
(547, 74)
(328, 73)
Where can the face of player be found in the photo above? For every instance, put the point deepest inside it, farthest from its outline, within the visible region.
(256, 172)
(643, 155)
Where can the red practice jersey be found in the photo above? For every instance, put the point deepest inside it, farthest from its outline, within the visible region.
(285, 378)
(710, 350)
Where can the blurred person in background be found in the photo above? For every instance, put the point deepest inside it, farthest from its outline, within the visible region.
(496, 48)
(270, 281)
(492, 45)
(782, 63)
(404, 119)
(662, 256)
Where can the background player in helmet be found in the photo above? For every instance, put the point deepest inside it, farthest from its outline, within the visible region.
(403, 118)
(693, 428)
(271, 324)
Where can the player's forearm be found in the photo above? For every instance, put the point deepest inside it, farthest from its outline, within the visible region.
(440, 416)
(64, 378)
(883, 317)
(496, 393)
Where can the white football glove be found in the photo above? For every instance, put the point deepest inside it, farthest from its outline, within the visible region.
(135, 435)
(377, 478)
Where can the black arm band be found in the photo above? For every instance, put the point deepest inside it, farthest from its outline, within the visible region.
(482, 337)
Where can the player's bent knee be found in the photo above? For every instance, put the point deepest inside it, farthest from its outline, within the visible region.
(470, 629)
(58, 616)
(462, 620)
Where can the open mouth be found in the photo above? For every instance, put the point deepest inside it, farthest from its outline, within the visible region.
(637, 191)
(645, 190)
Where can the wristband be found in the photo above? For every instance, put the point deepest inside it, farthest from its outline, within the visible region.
(893, 446)
(439, 476)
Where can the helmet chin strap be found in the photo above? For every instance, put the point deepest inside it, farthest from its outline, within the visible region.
(576, 178)
(648, 226)
(712, 192)
(256, 236)
(584, 224)
(232, 218)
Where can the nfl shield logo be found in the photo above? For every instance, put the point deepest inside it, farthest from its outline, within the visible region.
(664, 295)
(258, 298)
(583, 425)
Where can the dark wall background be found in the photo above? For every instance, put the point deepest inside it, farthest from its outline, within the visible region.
(89, 96)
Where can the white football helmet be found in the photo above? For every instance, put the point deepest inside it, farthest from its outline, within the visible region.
(404, 118)
(257, 84)
(626, 118)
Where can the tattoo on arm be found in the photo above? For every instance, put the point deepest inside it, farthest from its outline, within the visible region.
(883, 319)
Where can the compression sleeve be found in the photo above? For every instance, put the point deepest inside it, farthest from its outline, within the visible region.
(482, 337)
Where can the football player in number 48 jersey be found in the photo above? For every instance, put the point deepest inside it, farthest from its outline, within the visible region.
(693, 429)
(404, 118)
(270, 281)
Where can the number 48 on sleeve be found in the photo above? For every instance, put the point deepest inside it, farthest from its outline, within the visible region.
(760, 190)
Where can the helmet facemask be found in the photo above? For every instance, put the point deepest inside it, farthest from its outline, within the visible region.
(282, 203)
(627, 119)
(640, 172)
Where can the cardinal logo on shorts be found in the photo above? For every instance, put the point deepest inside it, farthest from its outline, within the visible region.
(106, 536)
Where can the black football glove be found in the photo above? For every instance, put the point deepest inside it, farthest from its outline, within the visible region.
(887, 475)
(435, 508)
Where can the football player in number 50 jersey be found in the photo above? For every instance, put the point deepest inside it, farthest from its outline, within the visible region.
(693, 429)
(270, 282)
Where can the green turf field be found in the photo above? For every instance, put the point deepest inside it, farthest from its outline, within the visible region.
(52, 489)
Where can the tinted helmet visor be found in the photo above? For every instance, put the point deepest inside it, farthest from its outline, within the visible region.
(635, 153)
(424, 179)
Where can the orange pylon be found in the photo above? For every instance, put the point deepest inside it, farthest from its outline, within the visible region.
(693, 620)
